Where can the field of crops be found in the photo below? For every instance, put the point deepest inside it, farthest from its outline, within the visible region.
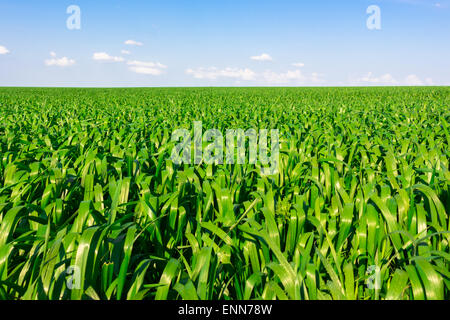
(92, 207)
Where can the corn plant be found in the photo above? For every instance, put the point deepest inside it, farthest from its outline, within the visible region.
(92, 207)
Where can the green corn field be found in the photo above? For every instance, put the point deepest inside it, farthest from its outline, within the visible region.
(93, 207)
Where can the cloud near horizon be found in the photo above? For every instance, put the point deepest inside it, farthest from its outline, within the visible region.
(61, 62)
(246, 74)
(213, 73)
(389, 79)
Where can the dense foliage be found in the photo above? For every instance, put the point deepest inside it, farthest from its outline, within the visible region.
(87, 188)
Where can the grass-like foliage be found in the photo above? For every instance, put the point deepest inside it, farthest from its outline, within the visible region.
(91, 206)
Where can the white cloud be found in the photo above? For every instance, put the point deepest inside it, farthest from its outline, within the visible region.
(284, 77)
(133, 43)
(386, 79)
(145, 70)
(146, 64)
(61, 62)
(103, 56)
(317, 78)
(3, 50)
(125, 52)
(298, 64)
(429, 81)
(214, 73)
(143, 67)
(295, 77)
(413, 80)
(262, 57)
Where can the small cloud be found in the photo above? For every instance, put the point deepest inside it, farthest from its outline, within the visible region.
(145, 70)
(244, 74)
(103, 56)
(146, 64)
(262, 57)
(298, 64)
(386, 79)
(317, 78)
(413, 80)
(61, 62)
(214, 73)
(125, 52)
(292, 77)
(144, 67)
(3, 50)
(133, 43)
(284, 77)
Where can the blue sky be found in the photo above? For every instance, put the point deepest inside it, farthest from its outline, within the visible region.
(224, 43)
